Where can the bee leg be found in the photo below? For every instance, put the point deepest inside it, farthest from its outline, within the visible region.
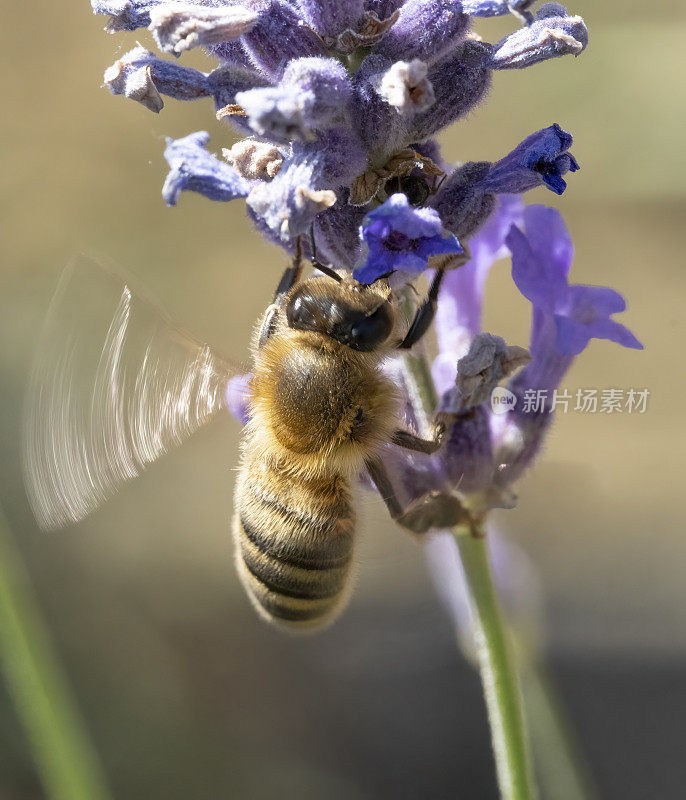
(291, 274)
(315, 261)
(412, 442)
(425, 313)
(288, 280)
(433, 510)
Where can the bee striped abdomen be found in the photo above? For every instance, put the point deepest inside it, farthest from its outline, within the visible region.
(294, 542)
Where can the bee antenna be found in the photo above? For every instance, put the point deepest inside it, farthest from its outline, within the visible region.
(315, 263)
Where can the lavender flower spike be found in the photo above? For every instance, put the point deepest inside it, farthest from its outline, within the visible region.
(194, 169)
(542, 158)
(401, 238)
(553, 34)
(541, 259)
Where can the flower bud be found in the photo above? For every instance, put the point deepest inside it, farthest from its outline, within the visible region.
(180, 27)
(460, 81)
(552, 35)
(425, 29)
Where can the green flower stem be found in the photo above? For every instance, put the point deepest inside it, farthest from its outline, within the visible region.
(66, 760)
(498, 674)
(496, 665)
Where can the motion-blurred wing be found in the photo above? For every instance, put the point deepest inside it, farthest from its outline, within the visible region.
(114, 386)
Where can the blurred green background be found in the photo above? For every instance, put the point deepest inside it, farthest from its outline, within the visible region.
(186, 693)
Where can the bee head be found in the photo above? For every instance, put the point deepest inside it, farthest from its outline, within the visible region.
(353, 314)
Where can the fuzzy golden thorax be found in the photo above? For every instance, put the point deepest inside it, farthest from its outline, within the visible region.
(320, 406)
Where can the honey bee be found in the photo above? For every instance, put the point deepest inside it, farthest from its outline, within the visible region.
(111, 393)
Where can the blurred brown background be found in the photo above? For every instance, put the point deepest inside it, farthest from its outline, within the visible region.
(186, 693)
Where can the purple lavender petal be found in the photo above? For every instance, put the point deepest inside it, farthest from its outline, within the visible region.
(425, 29)
(193, 169)
(542, 280)
(549, 238)
(458, 314)
(564, 319)
(541, 158)
(584, 303)
(540, 264)
(400, 237)
(585, 321)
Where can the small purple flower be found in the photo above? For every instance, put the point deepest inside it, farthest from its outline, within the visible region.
(541, 259)
(564, 319)
(542, 158)
(458, 314)
(402, 238)
(193, 169)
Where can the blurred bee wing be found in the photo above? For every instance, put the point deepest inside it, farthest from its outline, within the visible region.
(114, 385)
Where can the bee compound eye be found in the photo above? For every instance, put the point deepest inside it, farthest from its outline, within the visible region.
(371, 331)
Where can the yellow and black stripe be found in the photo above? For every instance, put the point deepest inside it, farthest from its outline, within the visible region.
(294, 540)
